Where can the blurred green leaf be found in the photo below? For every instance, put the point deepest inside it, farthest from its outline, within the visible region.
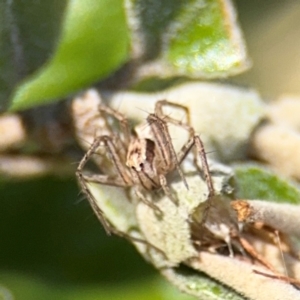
(28, 34)
(28, 288)
(94, 42)
(189, 38)
(53, 247)
(207, 40)
(194, 38)
(46, 231)
(255, 182)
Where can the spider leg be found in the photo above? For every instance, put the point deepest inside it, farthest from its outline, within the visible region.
(196, 141)
(201, 151)
(193, 140)
(109, 228)
(164, 144)
(106, 180)
(159, 110)
(115, 158)
(144, 199)
(122, 180)
(165, 187)
(131, 238)
(120, 118)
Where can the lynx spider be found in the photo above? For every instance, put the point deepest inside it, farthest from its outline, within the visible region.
(138, 165)
(143, 163)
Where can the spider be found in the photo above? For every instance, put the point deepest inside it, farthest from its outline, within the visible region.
(142, 163)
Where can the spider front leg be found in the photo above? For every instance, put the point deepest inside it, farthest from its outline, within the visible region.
(121, 119)
(122, 180)
(97, 210)
(144, 199)
(194, 140)
(164, 185)
(165, 149)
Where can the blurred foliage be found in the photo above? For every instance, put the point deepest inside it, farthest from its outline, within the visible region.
(94, 41)
(29, 32)
(35, 289)
(195, 38)
(44, 229)
(206, 44)
(255, 182)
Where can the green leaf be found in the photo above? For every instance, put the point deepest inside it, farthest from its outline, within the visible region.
(191, 38)
(255, 182)
(26, 287)
(94, 42)
(28, 35)
(207, 39)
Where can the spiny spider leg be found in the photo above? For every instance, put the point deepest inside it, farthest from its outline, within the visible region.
(99, 213)
(109, 228)
(112, 151)
(125, 177)
(123, 180)
(104, 179)
(122, 120)
(193, 140)
(165, 147)
(141, 196)
(120, 181)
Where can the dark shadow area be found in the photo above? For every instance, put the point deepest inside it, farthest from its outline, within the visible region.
(46, 231)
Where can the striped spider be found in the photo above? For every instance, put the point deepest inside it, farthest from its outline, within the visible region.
(144, 162)
(139, 162)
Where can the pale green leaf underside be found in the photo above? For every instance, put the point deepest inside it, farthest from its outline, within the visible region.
(94, 41)
(200, 285)
(122, 217)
